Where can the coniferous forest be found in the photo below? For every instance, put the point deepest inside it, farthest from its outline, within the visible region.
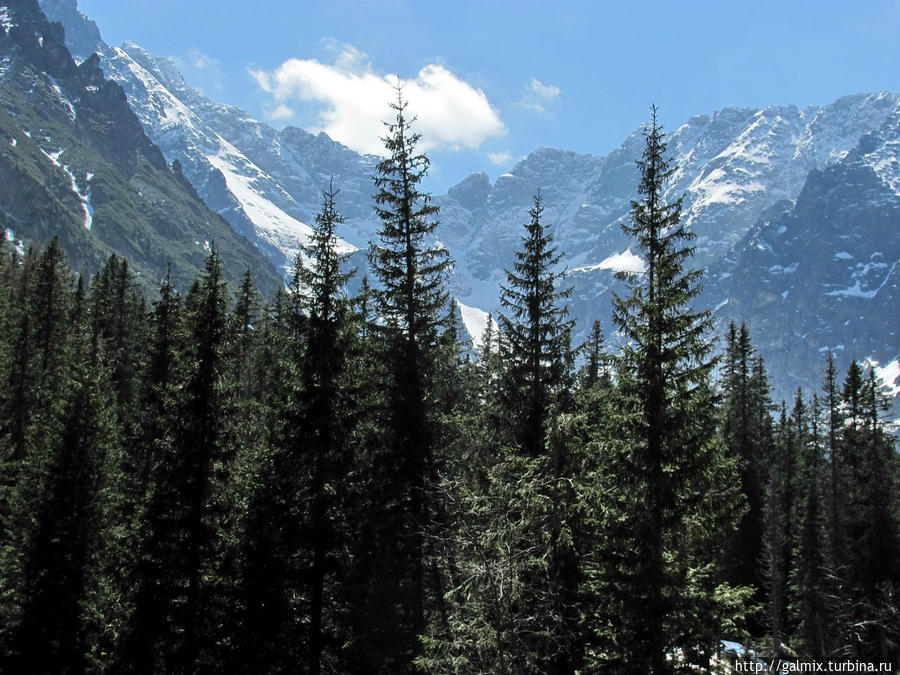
(210, 481)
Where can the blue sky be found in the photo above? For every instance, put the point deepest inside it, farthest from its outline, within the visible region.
(492, 81)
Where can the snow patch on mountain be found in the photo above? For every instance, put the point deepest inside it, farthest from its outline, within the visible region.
(63, 99)
(714, 188)
(162, 111)
(475, 321)
(255, 204)
(888, 375)
(884, 157)
(618, 262)
(274, 225)
(85, 197)
(5, 19)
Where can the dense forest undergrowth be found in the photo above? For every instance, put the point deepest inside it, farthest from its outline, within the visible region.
(213, 483)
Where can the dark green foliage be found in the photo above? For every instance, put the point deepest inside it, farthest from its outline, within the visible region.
(411, 299)
(538, 357)
(809, 583)
(677, 505)
(58, 565)
(325, 484)
(536, 380)
(836, 490)
(873, 534)
(773, 566)
(743, 407)
(597, 367)
(36, 396)
(173, 617)
(509, 543)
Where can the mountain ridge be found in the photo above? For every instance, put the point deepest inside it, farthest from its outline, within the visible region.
(733, 168)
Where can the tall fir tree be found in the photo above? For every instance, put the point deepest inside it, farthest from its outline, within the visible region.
(327, 410)
(539, 358)
(35, 400)
(742, 438)
(678, 505)
(133, 564)
(514, 562)
(596, 369)
(174, 615)
(808, 582)
(875, 532)
(836, 489)
(537, 378)
(411, 297)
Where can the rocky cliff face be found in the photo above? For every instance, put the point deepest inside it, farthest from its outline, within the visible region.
(822, 274)
(75, 162)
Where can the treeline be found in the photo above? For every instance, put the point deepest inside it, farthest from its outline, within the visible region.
(321, 483)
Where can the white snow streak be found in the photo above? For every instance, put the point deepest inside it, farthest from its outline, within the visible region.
(618, 262)
(84, 198)
(5, 19)
(272, 224)
(475, 320)
(889, 376)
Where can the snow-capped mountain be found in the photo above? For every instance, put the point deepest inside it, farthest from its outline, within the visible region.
(738, 170)
(75, 163)
(731, 168)
(266, 184)
(823, 274)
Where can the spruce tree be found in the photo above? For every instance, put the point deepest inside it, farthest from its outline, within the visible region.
(597, 367)
(175, 613)
(773, 565)
(266, 633)
(741, 437)
(35, 404)
(411, 270)
(326, 413)
(677, 506)
(876, 530)
(808, 581)
(512, 524)
(537, 378)
(538, 334)
(60, 565)
(836, 489)
(135, 638)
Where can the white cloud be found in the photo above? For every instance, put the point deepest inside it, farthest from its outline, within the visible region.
(202, 70)
(280, 112)
(500, 158)
(536, 95)
(199, 59)
(452, 114)
(545, 91)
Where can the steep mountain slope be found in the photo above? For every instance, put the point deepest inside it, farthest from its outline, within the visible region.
(266, 184)
(823, 275)
(736, 169)
(75, 162)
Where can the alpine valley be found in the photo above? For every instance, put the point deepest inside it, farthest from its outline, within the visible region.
(796, 211)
